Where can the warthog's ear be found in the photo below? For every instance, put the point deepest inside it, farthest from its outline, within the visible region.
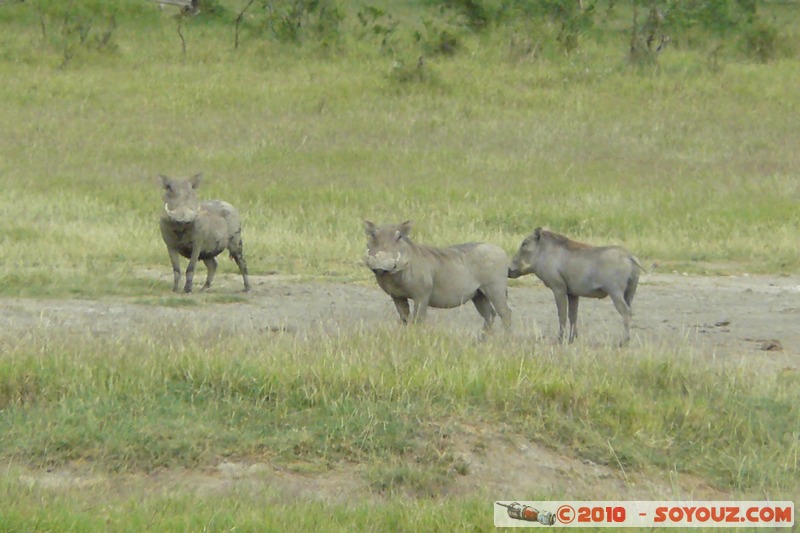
(405, 229)
(166, 182)
(369, 228)
(196, 180)
(537, 233)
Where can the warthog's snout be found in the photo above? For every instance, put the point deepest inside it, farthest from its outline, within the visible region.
(383, 262)
(518, 267)
(181, 214)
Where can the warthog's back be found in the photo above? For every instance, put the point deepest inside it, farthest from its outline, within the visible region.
(477, 258)
(219, 208)
(459, 271)
(597, 265)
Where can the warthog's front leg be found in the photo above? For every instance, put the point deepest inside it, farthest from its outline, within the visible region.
(572, 300)
(402, 308)
(211, 265)
(561, 306)
(190, 268)
(175, 259)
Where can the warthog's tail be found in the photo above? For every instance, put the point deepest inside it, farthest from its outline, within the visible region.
(638, 264)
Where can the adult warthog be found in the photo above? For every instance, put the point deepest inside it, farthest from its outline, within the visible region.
(437, 277)
(198, 230)
(572, 269)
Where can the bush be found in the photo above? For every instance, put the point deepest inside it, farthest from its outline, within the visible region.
(759, 40)
(377, 22)
(476, 13)
(71, 26)
(438, 38)
(298, 20)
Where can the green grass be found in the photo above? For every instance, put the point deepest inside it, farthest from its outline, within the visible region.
(381, 399)
(45, 511)
(155, 401)
(682, 164)
(690, 164)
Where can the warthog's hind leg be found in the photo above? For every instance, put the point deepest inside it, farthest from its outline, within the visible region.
(497, 294)
(484, 307)
(211, 265)
(402, 308)
(237, 254)
(242, 264)
(420, 309)
(630, 289)
(561, 306)
(572, 302)
(625, 311)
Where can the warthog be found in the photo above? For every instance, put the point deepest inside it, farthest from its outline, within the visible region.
(199, 230)
(572, 269)
(437, 277)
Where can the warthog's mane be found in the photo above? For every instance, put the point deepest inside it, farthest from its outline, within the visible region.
(449, 252)
(566, 242)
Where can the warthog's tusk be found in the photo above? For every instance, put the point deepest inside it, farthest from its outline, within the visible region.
(174, 215)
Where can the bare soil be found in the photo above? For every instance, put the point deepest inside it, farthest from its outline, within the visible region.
(750, 320)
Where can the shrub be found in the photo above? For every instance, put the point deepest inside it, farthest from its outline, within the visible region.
(438, 37)
(376, 22)
(759, 40)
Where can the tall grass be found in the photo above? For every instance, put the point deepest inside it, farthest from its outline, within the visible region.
(690, 162)
(375, 397)
(35, 510)
(683, 163)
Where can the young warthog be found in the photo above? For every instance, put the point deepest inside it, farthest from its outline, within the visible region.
(198, 230)
(571, 269)
(437, 277)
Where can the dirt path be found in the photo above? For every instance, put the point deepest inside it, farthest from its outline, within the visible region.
(734, 318)
(744, 319)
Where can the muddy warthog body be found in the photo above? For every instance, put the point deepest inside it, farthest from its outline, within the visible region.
(437, 277)
(572, 269)
(198, 231)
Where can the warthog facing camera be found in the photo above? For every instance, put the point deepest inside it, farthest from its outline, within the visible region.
(572, 269)
(437, 277)
(198, 230)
